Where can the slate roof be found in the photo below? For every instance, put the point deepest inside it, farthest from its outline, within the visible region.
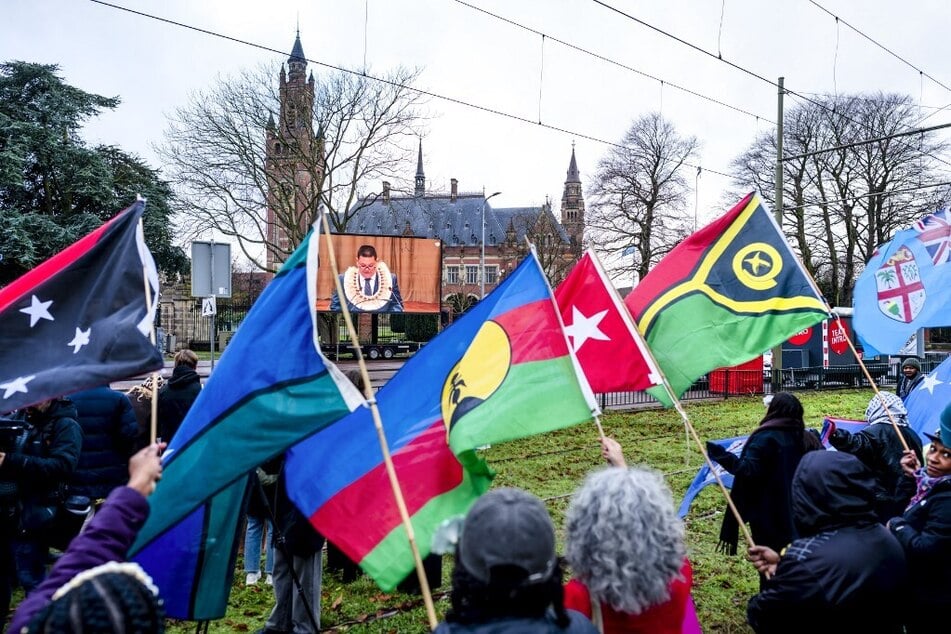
(456, 223)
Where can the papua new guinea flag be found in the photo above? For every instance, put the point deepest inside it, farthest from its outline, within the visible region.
(906, 285)
(503, 370)
(271, 388)
(725, 294)
(79, 319)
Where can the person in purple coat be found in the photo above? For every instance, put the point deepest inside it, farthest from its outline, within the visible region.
(91, 588)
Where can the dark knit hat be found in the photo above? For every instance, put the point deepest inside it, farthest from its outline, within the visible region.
(943, 433)
(911, 362)
(508, 527)
(108, 598)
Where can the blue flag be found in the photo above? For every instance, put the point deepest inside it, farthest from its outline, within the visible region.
(928, 400)
(735, 445)
(271, 389)
(906, 285)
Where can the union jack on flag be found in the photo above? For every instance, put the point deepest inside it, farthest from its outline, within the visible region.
(934, 232)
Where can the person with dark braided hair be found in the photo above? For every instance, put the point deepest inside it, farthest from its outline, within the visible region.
(507, 577)
(91, 589)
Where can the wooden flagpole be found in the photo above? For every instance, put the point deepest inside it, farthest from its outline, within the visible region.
(683, 415)
(153, 419)
(381, 434)
(871, 381)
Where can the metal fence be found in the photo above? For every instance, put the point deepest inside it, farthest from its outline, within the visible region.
(726, 383)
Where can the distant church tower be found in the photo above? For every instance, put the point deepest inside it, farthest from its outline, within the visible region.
(293, 179)
(420, 175)
(572, 204)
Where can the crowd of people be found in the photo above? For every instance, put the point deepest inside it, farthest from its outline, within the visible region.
(853, 539)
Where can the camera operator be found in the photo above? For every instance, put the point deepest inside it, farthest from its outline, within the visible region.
(49, 455)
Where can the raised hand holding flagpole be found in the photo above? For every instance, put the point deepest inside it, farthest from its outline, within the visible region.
(381, 435)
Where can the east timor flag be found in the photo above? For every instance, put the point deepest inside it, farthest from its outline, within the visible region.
(724, 295)
(501, 371)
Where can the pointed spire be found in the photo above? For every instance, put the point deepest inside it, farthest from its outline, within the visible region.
(297, 53)
(573, 175)
(420, 175)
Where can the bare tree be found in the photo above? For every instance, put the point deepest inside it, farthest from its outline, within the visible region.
(216, 154)
(842, 196)
(637, 202)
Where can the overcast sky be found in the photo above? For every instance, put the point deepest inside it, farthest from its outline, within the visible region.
(468, 55)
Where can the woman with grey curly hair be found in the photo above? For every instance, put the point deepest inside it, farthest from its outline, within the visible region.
(625, 545)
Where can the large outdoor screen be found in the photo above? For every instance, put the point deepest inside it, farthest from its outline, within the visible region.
(381, 274)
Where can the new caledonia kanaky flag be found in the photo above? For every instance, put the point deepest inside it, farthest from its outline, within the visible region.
(79, 319)
(501, 371)
(725, 294)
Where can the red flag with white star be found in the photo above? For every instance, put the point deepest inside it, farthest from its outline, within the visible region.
(608, 346)
(79, 319)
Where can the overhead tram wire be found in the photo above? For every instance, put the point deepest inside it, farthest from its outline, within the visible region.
(611, 61)
(868, 141)
(885, 194)
(747, 71)
(882, 46)
(419, 91)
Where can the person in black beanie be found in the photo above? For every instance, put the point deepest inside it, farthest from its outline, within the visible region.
(910, 379)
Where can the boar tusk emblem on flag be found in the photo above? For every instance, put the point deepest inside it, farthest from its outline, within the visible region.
(901, 295)
(757, 265)
(477, 375)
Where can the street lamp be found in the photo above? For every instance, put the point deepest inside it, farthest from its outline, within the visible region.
(482, 256)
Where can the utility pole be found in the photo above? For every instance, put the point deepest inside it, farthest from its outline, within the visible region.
(776, 371)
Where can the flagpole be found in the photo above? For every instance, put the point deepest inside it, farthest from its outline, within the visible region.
(871, 381)
(579, 374)
(855, 353)
(683, 414)
(153, 420)
(381, 435)
(631, 324)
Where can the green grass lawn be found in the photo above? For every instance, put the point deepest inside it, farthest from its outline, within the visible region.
(552, 466)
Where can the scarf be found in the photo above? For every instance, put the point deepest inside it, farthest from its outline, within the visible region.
(925, 484)
(876, 413)
(730, 529)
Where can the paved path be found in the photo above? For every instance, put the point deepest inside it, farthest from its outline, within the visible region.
(380, 371)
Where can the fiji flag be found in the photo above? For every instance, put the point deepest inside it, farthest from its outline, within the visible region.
(906, 285)
(926, 403)
(502, 371)
(80, 319)
(271, 389)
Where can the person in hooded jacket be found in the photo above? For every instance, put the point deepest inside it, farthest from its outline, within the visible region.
(845, 572)
(40, 469)
(763, 475)
(175, 398)
(924, 531)
(880, 448)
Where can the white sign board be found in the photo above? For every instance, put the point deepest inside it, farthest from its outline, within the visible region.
(208, 307)
(211, 269)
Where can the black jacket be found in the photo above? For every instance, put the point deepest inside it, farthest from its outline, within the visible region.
(879, 447)
(846, 572)
(762, 478)
(109, 431)
(906, 387)
(924, 531)
(49, 455)
(300, 537)
(175, 398)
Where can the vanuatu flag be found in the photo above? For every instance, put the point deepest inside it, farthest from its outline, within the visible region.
(501, 371)
(271, 388)
(724, 295)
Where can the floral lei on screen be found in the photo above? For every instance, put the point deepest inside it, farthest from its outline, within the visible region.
(353, 288)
